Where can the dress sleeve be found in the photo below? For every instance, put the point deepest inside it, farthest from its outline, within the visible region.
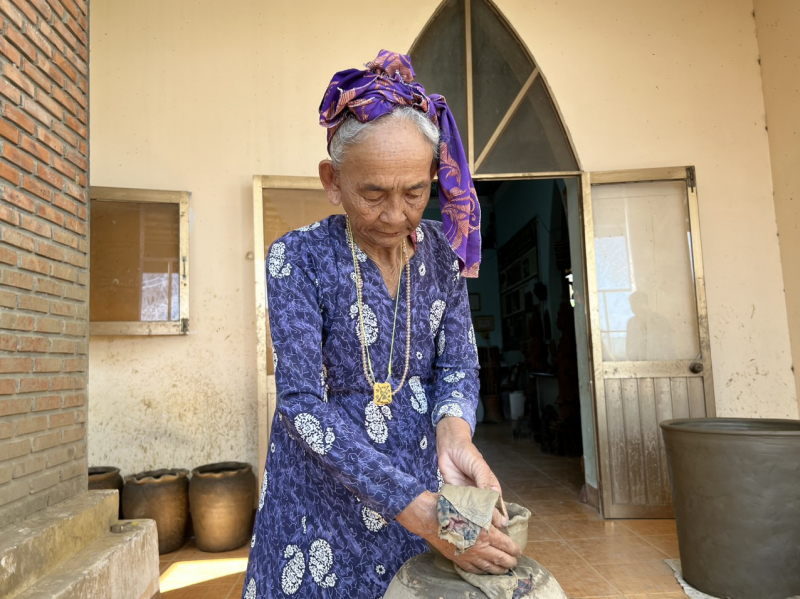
(321, 429)
(457, 385)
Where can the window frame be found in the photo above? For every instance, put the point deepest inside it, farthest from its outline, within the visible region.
(155, 327)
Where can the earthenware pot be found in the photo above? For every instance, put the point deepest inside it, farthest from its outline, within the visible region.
(163, 496)
(736, 491)
(106, 478)
(221, 498)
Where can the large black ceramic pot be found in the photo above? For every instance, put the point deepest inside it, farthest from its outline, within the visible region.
(222, 497)
(736, 490)
(106, 478)
(163, 496)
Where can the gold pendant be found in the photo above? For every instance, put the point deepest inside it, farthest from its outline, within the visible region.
(382, 394)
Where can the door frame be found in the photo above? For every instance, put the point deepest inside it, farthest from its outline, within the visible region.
(588, 179)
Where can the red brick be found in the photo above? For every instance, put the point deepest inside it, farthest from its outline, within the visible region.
(75, 365)
(74, 292)
(9, 407)
(76, 259)
(65, 66)
(76, 126)
(63, 382)
(66, 238)
(63, 309)
(10, 51)
(12, 196)
(19, 79)
(6, 430)
(39, 41)
(22, 120)
(79, 193)
(75, 225)
(34, 303)
(34, 384)
(15, 238)
(50, 140)
(9, 173)
(66, 203)
(37, 76)
(9, 131)
(34, 344)
(12, 13)
(29, 466)
(83, 6)
(16, 449)
(76, 94)
(16, 279)
(83, 85)
(60, 455)
(16, 322)
(51, 177)
(73, 469)
(71, 7)
(8, 342)
(63, 99)
(10, 92)
(74, 400)
(47, 441)
(46, 403)
(75, 158)
(8, 365)
(25, 7)
(36, 149)
(74, 434)
(65, 273)
(35, 187)
(9, 215)
(16, 38)
(8, 256)
(62, 346)
(34, 264)
(54, 216)
(51, 251)
(83, 278)
(65, 133)
(36, 226)
(63, 419)
(49, 104)
(49, 325)
(48, 68)
(49, 287)
(48, 365)
(44, 9)
(75, 329)
(64, 167)
(65, 33)
(36, 111)
(7, 387)
(31, 425)
(20, 159)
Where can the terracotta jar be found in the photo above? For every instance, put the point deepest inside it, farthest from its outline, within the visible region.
(222, 497)
(102, 478)
(163, 496)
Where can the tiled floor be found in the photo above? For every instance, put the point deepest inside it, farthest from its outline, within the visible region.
(589, 556)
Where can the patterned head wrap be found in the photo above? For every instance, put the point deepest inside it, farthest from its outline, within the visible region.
(387, 83)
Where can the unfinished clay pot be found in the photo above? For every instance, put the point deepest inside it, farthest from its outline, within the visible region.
(163, 496)
(103, 478)
(221, 498)
(736, 490)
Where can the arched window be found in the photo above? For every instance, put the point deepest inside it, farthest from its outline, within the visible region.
(509, 125)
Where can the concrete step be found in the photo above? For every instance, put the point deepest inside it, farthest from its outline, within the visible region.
(39, 544)
(120, 565)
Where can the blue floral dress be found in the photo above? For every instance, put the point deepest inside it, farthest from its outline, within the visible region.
(340, 468)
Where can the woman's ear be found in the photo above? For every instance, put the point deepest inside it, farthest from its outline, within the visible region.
(330, 181)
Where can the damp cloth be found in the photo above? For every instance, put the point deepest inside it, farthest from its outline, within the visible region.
(463, 512)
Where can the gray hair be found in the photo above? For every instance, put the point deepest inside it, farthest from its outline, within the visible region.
(352, 131)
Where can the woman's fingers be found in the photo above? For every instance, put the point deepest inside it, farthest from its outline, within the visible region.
(503, 544)
(498, 519)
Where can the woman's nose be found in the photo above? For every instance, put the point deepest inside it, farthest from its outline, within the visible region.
(393, 212)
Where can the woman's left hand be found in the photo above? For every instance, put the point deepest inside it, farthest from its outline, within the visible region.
(461, 463)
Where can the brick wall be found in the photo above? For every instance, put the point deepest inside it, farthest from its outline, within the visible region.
(44, 274)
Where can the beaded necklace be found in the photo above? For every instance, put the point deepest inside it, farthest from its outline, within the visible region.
(382, 392)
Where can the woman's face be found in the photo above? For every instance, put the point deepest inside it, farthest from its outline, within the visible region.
(383, 183)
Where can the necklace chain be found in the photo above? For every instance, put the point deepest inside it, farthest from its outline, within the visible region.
(365, 357)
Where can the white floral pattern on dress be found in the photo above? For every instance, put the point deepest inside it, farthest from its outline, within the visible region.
(380, 569)
(419, 355)
(274, 359)
(420, 234)
(370, 323)
(372, 519)
(419, 401)
(439, 479)
(310, 430)
(278, 267)
(310, 227)
(293, 571)
(424, 443)
(303, 524)
(362, 257)
(455, 376)
(375, 418)
(437, 311)
(456, 270)
(263, 491)
(441, 344)
(471, 336)
(253, 541)
(457, 394)
(320, 562)
(250, 593)
(449, 409)
(272, 447)
(324, 378)
(422, 269)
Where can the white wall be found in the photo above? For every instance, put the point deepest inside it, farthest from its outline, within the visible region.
(186, 96)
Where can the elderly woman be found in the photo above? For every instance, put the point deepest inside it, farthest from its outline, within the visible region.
(375, 357)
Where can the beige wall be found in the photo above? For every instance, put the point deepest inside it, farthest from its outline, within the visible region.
(778, 25)
(186, 97)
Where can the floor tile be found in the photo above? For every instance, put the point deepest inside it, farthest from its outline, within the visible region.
(583, 581)
(547, 509)
(680, 595)
(644, 578)
(539, 530)
(651, 527)
(619, 549)
(665, 543)
(587, 529)
(553, 553)
(549, 493)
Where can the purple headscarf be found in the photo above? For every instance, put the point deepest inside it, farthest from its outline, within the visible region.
(387, 83)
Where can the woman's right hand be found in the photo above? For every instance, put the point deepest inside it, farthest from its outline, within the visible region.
(493, 552)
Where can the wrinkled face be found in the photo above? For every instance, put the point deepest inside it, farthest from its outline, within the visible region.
(384, 183)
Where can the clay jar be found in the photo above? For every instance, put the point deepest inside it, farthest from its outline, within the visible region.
(222, 497)
(163, 496)
(102, 478)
